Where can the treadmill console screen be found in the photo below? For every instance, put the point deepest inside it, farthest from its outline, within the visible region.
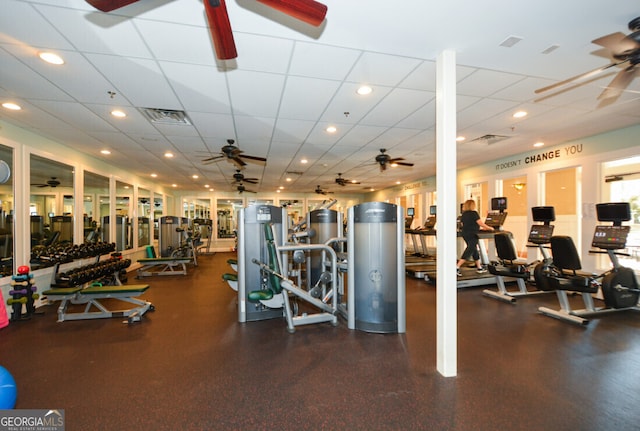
(540, 233)
(495, 220)
(430, 223)
(610, 237)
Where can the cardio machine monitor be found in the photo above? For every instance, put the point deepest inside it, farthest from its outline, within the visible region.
(499, 204)
(615, 212)
(432, 210)
(495, 220)
(540, 233)
(610, 237)
(411, 212)
(543, 214)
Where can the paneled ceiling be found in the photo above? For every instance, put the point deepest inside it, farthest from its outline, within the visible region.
(291, 81)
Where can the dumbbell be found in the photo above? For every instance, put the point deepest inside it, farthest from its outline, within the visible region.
(12, 301)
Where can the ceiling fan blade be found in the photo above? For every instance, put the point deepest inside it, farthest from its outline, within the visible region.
(616, 42)
(580, 77)
(403, 163)
(109, 5)
(220, 29)
(238, 161)
(258, 159)
(619, 83)
(212, 159)
(309, 11)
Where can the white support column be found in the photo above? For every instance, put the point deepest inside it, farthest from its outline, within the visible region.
(446, 175)
(22, 195)
(78, 205)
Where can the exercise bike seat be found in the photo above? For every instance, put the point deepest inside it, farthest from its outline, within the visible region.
(508, 265)
(567, 261)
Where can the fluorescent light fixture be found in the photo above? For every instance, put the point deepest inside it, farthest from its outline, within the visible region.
(51, 58)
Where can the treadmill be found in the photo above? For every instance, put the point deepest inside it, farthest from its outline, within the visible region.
(427, 265)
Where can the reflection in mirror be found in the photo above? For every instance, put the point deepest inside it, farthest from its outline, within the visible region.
(50, 204)
(96, 205)
(295, 211)
(227, 217)
(157, 213)
(6, 210)
(144, 214)
(124, 236)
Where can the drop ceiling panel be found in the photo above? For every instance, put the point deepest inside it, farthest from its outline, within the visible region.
(422, 77)
(254, 93)
(23, 80)
(382, 69)
(397, 106)
(484, 83)
(347, 100)
(39, 33)
(320, 61)
(213, 126)
(253, 131)
(139, 80)
(75, 115)
(482, 110)
(97, 33)
(306, 98)
(195, 42)
(199, 88)
(264, 54)
(292, 130)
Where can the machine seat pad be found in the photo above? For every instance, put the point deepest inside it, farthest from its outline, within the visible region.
(232, 261)
(128, 288)
(62, 291)
(575, 283)
(512, 270)
(164, 259)
(230, 277)
(260, 295)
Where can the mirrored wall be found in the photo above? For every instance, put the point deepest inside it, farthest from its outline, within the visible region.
(95, 204)
(227, 217)
(6, 210)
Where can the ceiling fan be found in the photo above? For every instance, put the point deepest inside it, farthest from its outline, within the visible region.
(52, 182)
(234, 154)
(320, 191)
(343, 181)
(383, 159)
(623, 49)
(309, 11)
(242, 189)
(238, 177)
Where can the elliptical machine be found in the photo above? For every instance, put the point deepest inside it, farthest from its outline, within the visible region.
(619, 285)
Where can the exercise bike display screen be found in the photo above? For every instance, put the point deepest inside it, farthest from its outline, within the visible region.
(610, 237)
(495, 220)
(540, 233)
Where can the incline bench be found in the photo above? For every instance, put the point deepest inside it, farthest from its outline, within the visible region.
(94, 309)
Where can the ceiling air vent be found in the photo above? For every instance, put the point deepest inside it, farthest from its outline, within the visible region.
(165, 116)
(490, 139)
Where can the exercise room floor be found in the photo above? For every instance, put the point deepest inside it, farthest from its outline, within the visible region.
(191, 366)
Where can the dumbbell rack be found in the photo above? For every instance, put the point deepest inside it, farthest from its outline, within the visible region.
(90, 273)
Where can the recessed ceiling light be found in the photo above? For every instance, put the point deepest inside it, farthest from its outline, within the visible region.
(520, 114)
(331, 129)
(194, 176)
(51, 58)
(538, 144)
(105, 152)
(460, 138)
(154, 175)
(288, 179)
(277, 191)
(174, 185)
(206, 186)
(118, 113)
(364, 90)
(12, 106)
(303, 161)
(281, 187)
(168, 154)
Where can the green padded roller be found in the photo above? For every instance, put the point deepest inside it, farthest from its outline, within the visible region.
(260, 295)
(151, 252)
(232, 261)
(230, 277)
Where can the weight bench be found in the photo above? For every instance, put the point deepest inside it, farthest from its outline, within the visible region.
(94, 309)
(163, 266)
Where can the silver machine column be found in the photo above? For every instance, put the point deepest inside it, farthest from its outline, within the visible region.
(376, 295)
(325, 224)
(252, 245)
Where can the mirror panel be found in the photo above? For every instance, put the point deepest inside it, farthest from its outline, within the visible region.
(144, 217)
(51, 202)
(123, 232)
(227, 217)
(6, 210)
(96, 205)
